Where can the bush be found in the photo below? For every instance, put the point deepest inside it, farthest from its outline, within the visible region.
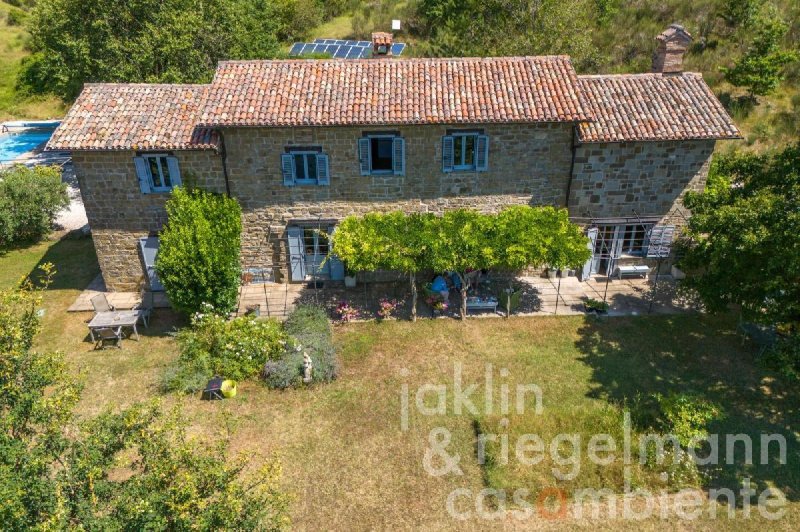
(784, 357)
(310, 330)
(16, 17)
(235, 349)
(30, 199)
(687, 416)
(198, 259)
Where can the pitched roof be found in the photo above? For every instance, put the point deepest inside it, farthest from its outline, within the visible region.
(652, 107)
(394, 92)
(108, 116)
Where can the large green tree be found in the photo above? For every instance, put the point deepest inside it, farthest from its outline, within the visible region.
(129, 470)
(744, 236)
(169, 41)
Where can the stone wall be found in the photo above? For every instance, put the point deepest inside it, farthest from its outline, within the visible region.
(651, 178)
(119, 214)
(528, 164)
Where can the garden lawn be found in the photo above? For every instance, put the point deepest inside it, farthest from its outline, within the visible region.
(345, 455)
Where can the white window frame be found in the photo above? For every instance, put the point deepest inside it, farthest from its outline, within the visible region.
(462, 138)
(306, 154)
(391, 138)
(161, 162)
(626, 244)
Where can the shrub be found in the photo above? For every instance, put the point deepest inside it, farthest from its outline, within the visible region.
(784, 357)
(310, 330)
(16, 17)
(198, 259)
(687, 416)
(236, 349)
(30, 199)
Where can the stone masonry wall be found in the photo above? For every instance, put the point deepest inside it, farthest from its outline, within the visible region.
(651, 178)
(528, 164)
(119, 214)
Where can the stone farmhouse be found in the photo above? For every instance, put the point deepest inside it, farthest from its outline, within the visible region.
(303, 143)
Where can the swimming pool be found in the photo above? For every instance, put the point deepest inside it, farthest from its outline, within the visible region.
(15, 143)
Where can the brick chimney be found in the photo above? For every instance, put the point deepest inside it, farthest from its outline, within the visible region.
(382, 44)
(672, 44)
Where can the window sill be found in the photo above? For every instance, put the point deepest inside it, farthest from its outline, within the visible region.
(306, 183)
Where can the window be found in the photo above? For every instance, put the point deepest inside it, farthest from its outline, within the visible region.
(465, 151)
(634, 238)
(381, 154)
(157, 172)
(304, 167)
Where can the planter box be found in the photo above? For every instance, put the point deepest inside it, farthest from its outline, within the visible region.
(350, 281)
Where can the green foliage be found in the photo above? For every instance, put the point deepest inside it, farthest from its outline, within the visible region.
(132, 470)
(744, 235)
(235, 349)
(515, 27)
(687, 416)
(30, 199)
(784, 357)
(166, 41)
(198, 258)
(761, 68)
(310, 330)
(16, 17)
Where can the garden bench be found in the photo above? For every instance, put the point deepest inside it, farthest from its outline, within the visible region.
(638, 269)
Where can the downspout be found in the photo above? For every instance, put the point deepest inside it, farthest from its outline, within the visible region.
(574, 148)
(224, 155)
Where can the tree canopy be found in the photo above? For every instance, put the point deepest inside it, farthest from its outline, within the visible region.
(744, 236)
(130, 470)
(155, 41)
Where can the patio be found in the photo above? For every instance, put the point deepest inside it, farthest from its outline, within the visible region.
(540, 296)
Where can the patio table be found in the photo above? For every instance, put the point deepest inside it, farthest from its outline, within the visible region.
(481, 303)
(117, 318)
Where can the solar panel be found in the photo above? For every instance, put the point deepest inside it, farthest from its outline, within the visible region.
(342, 51)
(340, 48)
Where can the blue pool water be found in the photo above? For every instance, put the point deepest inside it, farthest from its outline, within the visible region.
(14, 144)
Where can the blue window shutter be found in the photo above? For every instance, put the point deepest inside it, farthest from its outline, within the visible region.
(174, 171)
(287, 167)
(363, 155)
(586, 272)
(142, 174)
(482, 153)
(448, 150)
(336, 265)
(323, 174)
(399, 156)
(149, 249)
(297, 255)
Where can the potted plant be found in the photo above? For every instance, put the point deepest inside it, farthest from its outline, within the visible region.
(349, 278)
(594, 306)
(509, 298)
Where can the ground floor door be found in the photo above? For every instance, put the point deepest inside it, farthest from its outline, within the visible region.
(309, 256)
(148, 249)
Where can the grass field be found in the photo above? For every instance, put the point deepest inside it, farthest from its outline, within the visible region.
(346, 456)
(12, 51)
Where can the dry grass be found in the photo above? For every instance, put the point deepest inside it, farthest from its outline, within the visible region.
(345, 456)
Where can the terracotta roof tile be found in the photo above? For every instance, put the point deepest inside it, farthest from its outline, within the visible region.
(391, 92)
(110, 116)
(652, 107)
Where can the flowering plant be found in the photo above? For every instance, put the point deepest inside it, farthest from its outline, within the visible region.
(439, 305)
(387, 307)
(346, 311)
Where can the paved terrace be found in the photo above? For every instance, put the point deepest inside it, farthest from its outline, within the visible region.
(540, 296)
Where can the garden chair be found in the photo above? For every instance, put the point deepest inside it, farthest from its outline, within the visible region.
(101, 304)
(108, 337)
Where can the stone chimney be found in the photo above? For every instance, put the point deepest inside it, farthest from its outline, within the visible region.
(382, 44)
(672, 44)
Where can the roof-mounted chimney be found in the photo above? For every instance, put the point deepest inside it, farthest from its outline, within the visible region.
(382, 44)
(672, 44)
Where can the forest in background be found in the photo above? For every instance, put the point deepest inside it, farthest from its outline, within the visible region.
(49, 48)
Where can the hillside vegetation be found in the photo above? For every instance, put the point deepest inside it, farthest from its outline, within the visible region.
(74, 42)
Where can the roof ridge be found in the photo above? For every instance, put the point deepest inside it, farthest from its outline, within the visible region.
(169, 85)
(475, 59)
(641, 75)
